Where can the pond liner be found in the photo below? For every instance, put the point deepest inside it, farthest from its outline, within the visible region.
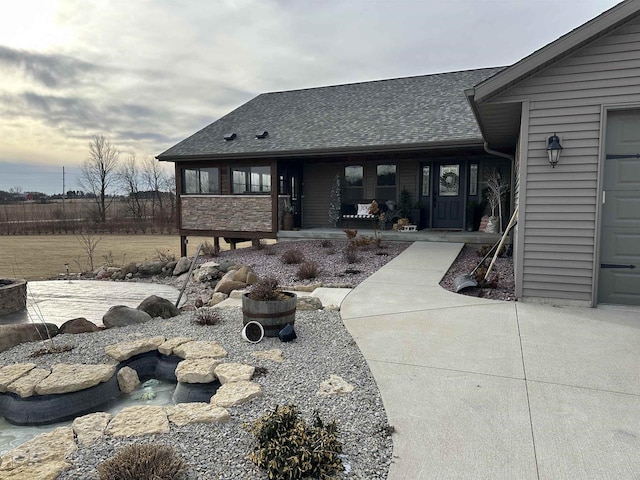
(54, 408)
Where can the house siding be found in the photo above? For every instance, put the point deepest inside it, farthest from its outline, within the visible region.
(561, 204)
(317, 185)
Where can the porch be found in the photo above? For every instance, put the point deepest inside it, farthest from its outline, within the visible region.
(448, 236)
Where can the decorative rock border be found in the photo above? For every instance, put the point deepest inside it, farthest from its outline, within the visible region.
(13, 295)
(38, 396)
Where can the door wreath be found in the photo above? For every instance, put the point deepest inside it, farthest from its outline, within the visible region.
(449, 180)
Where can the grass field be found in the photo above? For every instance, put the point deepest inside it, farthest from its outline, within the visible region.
(36, 257)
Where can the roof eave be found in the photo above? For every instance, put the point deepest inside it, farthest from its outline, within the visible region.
(569, 42)
(477, 142)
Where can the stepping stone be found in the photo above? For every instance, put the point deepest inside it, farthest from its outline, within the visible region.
(67, 378)
(43, 457)
(139, 420)
(89, 429)
(335, 386)
(167, 347)
(275, 355)
(125, 350)
(197, 370)
(234, 372)
(11, 373)
(200, 349)
(235, 393)
(197, 412)
(25, 386)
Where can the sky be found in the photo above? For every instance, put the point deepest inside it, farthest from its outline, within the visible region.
(148, 73)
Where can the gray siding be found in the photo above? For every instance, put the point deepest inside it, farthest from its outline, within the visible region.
(317, 185)
(559, 238)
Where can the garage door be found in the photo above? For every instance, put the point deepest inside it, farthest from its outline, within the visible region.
(619, 281)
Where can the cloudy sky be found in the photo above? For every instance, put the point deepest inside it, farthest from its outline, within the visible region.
(148, 73)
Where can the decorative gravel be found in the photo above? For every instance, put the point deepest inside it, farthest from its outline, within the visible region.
(219, 451)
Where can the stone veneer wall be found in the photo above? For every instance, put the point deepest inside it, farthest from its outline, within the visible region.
(236, 213)
(13, 297)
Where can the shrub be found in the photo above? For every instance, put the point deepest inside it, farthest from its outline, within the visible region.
(165, 256)
(133, 462)
(326, 243)
(287, 448)
(209, 250)
(351, 255)
(293, 256)
(308, 270)
(206, 316)
(265, 289)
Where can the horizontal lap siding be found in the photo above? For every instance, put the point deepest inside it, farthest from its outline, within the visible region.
(561, 203)
(318, 178)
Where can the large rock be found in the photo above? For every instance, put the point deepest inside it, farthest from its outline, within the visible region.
(200, 349)
(12, 335)
(125, 350)
(167, 347)
(158, 307)
(78, 325)
(216, 298)
(121, 316)
(128, 379)
(67, 378)
(89, 429)
(42, 458)
(151, 268)
(243, 274)
(196, 412)
(139, 420)
(182, 266)
(309, 303)
(11, 373)
(197, 370)
(234, 372)
(235, 393)
(206, 272)
(26, 386)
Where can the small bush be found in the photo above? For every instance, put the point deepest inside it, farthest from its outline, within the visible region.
(351, 255)
(208, 249)
(152, 461)
(206, 316)
(326, 243)
(287, 448)
(165, 256)
(265, 289)
(308, 270)
(293, 256)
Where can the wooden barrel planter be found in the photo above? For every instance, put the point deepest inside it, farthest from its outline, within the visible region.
(273, 315)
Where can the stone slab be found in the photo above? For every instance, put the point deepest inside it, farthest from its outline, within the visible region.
(197, 370)
(200, 349)
(25, 386)
(235, 393)
(196, 412)
(89, 429)
(125, 350)
(335, 385)
(275, 355)
(139, 420)
(65, 378)
(166, 348)
(234, 372)
(10, 373)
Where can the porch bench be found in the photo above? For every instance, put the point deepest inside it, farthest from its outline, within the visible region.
(358, 211)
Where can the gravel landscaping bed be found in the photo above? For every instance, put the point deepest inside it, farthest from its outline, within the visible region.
(219, 451)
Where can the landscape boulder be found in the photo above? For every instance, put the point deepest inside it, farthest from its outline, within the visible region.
(158, 307)
(216, 298)
(230, 281)
(207, 272)
(182, 266)
(78, 325)
(309, 303)
(121, 316)
(12, 335)
(151, 268)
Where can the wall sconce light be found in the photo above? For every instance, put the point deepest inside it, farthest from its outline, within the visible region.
(553, 150)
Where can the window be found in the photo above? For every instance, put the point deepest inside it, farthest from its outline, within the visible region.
(251, 180)
(449, 180)
(473, 179)
(426, 180)
(385, 183)
(201, 180)
(353, 183)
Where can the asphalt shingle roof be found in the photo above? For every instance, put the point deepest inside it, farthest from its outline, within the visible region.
(404, 111)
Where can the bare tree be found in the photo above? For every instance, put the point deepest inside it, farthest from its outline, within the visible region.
(130, 180)
(98, 173)
(89, 243)
(497, 188)
(157, 181)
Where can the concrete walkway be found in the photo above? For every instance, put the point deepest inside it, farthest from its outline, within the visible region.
(481, 389)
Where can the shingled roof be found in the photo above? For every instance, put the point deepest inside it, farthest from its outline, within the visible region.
(378, 115)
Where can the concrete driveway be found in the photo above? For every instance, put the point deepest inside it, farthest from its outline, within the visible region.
(481, 389)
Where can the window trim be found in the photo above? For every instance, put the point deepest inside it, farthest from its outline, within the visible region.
(247, 170)
(198, 170)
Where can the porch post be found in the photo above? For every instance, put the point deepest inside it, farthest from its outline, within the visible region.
(183, 245)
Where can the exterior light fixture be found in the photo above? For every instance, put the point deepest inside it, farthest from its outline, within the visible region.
(262, 135)
(229, 136)
(553, 150)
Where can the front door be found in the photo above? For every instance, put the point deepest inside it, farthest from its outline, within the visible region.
(448, 193)
(619, 280)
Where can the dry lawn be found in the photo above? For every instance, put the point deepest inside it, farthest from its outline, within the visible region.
(37, 257)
